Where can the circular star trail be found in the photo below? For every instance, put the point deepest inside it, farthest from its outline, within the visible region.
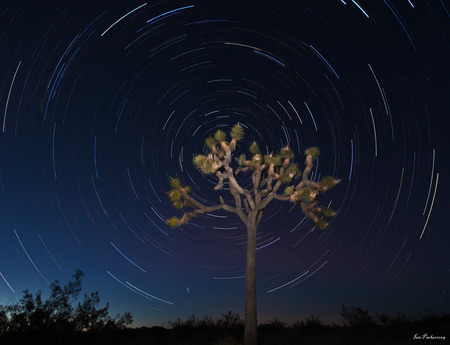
(101, 103)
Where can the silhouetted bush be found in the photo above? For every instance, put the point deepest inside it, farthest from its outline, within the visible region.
(356, 317)
(230, 320)
(274, 324)
(61, 313)
(226, 321)
(311, 322)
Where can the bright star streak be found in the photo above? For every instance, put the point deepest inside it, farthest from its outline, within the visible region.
(325, 60)
(9, 94)
(30, 258)
(225, 278)
(268, 244)
(127, 258)
(431, 207)
(122, 18)
(360, 8)
(288, 283)
(7, 282)
(374, 132)
(177, 9)
(431, 182)
(159, 299)
(312, 117)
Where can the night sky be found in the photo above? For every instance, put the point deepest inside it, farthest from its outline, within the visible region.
(101, 102)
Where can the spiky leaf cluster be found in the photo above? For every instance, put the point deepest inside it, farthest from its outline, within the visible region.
(173, 222)
(254, 149)
(328, 182)
(237, 132)
(313, 151)
(291, 173)
(321, 224)
(328, 212)
(205, 164)
(175, 183)
(289, 190)
(286, 152)
(176, 193)
(307, 195)
(325, 215)
(218, 148)
(210, 142)
(271, 159)
(220, 136)
(257, 160)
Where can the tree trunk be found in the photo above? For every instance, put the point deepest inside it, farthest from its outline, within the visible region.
(250, 335)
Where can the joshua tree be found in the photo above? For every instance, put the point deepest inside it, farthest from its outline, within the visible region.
(269, 173)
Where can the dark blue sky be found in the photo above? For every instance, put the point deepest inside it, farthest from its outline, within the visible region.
(100, 102)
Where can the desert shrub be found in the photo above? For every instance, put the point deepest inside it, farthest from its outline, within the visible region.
(312, 322)
(356, 317)
(230, 320)
(397, 320)
(62, 312)
(274, 324)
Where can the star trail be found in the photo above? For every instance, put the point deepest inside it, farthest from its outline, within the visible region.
(102, 102)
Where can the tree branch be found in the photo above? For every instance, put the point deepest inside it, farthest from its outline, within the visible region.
(305, 180)
(270, 197)
(237, 200)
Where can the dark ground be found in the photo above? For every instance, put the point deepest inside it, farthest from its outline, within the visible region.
(430, 331)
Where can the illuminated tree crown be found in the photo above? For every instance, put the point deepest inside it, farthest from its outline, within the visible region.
(269, 173)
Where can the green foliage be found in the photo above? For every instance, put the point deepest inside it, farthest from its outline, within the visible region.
(174, 195)
(257, 160)
(173, 222)
(220, 136)
(199, 160)
(289, 190)
(313, 151)
(254, 149)
(178, 204)
(328, 212)
(328, 182)
(237, 132)
(292, 172)
(208, 167)
(286, 152)
(61, 312)
(175, 183)
(307, 194)
(210, 142)
(321, 224)
(270, 159)
(285, 178)
(204, 164)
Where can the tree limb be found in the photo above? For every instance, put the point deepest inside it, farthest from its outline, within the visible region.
(237, 200)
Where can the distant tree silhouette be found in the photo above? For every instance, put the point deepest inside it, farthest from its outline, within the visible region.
(61, 312)
(356, 317)
(311, 322)
(268, 173)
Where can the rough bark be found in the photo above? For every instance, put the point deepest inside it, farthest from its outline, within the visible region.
(250, 328)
